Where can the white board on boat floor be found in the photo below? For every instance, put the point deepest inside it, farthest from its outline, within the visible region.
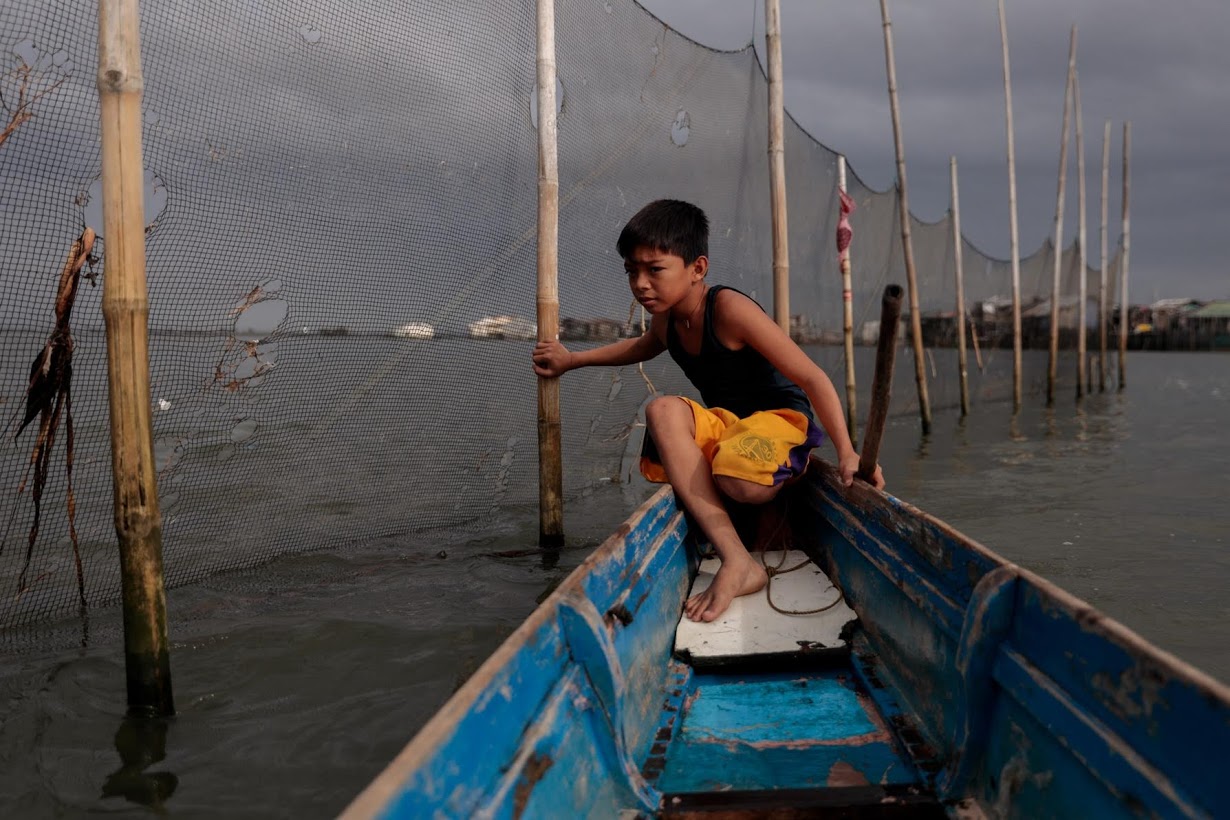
(751, 627)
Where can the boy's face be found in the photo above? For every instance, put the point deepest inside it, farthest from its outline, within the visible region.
(659, 279)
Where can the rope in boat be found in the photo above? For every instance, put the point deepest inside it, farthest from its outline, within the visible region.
(772, 572)
(777, 570)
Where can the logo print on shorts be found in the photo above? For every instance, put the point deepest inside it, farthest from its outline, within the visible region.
(755, 448)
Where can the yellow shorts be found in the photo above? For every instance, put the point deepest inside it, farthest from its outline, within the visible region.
(766, 448)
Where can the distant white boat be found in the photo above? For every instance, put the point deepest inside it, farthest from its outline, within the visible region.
(503, 327)
(415, 330)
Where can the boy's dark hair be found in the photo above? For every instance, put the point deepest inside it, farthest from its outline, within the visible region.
(667, 225)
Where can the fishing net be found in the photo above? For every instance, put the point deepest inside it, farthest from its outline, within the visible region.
(341, 212)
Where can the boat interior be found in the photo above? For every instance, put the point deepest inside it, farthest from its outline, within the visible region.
(779, 708)
(891, 667)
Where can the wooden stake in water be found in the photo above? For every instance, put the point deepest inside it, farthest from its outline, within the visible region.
(1052, 366)
(777, 165)
(1126, 240)
(847, 301)
(1083, 253)
(903, 208)
(956, 254)
(1104, 297)
(1014, 237)
(550, 457)
(138, 521)
(882, 381)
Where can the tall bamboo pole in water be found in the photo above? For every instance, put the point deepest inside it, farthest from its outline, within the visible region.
(956, 254)
(1104, 297)
(138, 521)
(1052, 366)
(903, 209)
(777, 165)
(1126, 243)
(550, 460)
(1081, 234)
(847, 310)
(1015, 236)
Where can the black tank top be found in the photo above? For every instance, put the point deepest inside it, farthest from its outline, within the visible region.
(741, 381)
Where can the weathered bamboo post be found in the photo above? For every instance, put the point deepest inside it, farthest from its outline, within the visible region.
(550, 460)
(138, 521)
(777, 165)
(1081, 238)
(1104, 297)
(844, 236)
(1014, 237)
(903, 208)
(956, 246)
(882, 381)
(1052, 365)
(1125, 240)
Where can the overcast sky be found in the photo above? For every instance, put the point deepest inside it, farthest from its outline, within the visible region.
(1163, 66)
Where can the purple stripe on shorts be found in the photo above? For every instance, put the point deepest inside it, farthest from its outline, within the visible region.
(797, 462)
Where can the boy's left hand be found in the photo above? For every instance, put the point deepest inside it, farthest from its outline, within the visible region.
(848, 466)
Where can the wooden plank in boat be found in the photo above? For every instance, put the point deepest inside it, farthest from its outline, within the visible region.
(751, 628)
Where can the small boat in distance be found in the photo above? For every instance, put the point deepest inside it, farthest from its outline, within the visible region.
(955, 684)
(415, 330)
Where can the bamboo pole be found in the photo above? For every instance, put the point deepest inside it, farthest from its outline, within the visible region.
(882, 381)
(1126, 244)
(847, 320)
(777, 165)
(1081, 239)
(138, 521)
(956, 246)
(550, 460)
(1015, 236)
(1052, 365)
(903, 207)
(1104, 297)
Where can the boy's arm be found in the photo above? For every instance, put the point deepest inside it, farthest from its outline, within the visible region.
(553, 359)
(743, 321)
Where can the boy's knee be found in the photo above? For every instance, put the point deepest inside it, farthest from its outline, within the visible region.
(665, 410)
(745, 492)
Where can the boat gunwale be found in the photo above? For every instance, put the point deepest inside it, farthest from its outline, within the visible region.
(1089, 617)
(385, 787)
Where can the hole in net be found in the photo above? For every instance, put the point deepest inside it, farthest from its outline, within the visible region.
(681, 128)
(559, 101)
(155, 202)
(260, 319)
(26, 52)
(243, 430)
(310, 33)
(168, 452)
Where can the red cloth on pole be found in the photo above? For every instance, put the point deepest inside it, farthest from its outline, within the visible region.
(844, 232)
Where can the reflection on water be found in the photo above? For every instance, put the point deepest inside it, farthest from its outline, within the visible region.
(141, 742)
(298, 681)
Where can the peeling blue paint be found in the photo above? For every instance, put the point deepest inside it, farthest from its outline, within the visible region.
(776, 732)
(964, 671)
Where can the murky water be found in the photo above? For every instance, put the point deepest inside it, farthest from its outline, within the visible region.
(295, 683)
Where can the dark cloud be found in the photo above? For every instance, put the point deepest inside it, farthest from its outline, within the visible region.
(1161, 66)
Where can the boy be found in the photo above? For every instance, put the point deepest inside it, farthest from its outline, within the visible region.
(758, 428)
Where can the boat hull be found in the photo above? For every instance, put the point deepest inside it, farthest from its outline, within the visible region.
(967, 685)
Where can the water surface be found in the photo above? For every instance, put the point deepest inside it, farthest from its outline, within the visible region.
(296, 682)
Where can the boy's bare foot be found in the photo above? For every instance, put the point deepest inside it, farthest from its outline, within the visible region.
(735, 578)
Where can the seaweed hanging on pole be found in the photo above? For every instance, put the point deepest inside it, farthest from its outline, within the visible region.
(49, 398)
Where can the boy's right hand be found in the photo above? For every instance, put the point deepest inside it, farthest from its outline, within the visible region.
(551, 359)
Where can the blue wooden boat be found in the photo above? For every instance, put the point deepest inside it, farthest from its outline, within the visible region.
(965, 686)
